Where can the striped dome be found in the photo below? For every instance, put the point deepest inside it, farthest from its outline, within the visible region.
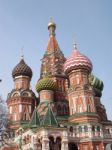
(77, 61)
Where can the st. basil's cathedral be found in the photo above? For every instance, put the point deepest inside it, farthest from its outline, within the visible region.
(68, 113)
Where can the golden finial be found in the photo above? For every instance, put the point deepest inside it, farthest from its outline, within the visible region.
(51, 23)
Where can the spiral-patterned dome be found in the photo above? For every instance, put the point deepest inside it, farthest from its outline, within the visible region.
(77, 61)
(45, 84)
(22, 69)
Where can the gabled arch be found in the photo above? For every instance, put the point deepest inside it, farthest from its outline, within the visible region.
(64, 109)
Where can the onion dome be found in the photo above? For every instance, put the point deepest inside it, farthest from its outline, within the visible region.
(97, 85)
(45, 84)
(77, 61)
(22, 69)
(95, 82)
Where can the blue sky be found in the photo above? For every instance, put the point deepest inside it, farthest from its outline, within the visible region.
(24, 23)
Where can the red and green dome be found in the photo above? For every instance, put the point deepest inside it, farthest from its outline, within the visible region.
(45, 84)
(77, 61)
(22, 69)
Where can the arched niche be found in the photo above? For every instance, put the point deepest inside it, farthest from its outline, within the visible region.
(72, 146)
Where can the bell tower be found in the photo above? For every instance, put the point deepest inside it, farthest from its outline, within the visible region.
(21, 100)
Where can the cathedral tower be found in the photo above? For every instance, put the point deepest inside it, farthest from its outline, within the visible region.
(52, 67)
(80, 93)
(21, 100)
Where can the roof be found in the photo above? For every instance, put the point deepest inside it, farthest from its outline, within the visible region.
(49, 119)
(22, 69)
(52, 44)
(45, 84)
(77, 61)
(35, 120)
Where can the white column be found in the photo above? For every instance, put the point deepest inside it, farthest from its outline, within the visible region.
(101, 132)
(83, 131)
(90, 131)
(64, 143)
(96, 132)
(77, 131)
(34, 141)
(45, 140)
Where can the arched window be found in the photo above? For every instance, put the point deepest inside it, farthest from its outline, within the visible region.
(64, 110)
(98, 128)
(108, 131)
(85, 128)
(80, 129)
(59, 110)
(71, 129)
(51, 143)
(15, 95)
(93, 128)
(57, 145)
(25, 118)
(25, 94)
(72, 146)
(28, 138)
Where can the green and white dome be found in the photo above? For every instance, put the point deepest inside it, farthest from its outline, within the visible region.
(97, 85)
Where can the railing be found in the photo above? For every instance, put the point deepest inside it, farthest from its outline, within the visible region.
(108, 136)
(85, 134)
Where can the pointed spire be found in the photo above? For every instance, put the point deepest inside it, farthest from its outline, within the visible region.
(49, 119)
(35, 120)
(52, 43)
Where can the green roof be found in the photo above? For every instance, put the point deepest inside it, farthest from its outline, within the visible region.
(49, 119)
(35, 120)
